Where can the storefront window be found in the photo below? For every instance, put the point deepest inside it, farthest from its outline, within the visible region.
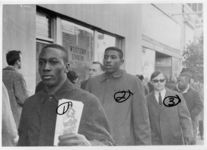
(84, 45)
(163, 63)
(44, 32)
(43, 26)
(102, 41)
(78, 41)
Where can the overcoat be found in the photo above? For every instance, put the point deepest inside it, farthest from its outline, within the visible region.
(16, 87)
(169, 125)
(194, 103)
(122, 96)
(38, 119)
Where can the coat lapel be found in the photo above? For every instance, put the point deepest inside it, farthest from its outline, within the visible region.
(155, 101)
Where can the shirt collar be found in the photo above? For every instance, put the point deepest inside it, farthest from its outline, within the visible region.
(185, 91)
(163, 92)
(116, 74)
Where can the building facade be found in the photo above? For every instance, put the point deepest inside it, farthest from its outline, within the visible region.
(149, 35)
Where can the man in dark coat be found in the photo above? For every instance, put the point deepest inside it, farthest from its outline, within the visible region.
(122, 96)
(192, 98)
(38, 120)
(169, 118)
(15, 84)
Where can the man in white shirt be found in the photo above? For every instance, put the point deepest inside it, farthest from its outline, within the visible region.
(169, 116)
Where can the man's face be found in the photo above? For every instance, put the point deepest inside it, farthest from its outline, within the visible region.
(159, 82)
(183, 82)
(52, 68)
(112, 61)
(94, 70)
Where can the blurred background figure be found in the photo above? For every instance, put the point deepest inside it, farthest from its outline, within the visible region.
(73, 77)
(192, 98)
(15, 83)
(9, 128)
(96, 68)
(198, 86)
(201, 116)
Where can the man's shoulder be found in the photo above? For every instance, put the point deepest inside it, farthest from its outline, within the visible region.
(96, 78)
(34, 99)
(131, 79)
(192, 93)
(84, 95)
(130, 76)
(150, 96)
(192, 90)
(8, 71)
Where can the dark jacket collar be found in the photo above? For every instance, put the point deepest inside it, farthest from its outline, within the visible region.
(66, 86)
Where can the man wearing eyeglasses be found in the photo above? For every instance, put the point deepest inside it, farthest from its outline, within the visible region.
(169, 116)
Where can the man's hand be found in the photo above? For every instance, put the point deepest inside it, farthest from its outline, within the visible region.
(73, 140)
(15, 140)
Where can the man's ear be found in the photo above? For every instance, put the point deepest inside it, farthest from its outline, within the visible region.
(67, 67)
(122, 61)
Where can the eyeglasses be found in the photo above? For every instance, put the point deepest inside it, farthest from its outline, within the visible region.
(156, 81)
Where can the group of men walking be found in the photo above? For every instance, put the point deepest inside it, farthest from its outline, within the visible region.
(116, 110)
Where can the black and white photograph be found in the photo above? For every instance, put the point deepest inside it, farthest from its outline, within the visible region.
(103, 74)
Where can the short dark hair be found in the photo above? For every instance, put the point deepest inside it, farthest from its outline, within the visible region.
(57, 46)
(72, 76)
(97, 62)
(12, 56)
(121, 55)
(141, 77)
(155, 74)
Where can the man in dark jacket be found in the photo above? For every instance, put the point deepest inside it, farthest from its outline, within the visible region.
(169, 119)
(192, 98)
(122, 96)
(38, 120)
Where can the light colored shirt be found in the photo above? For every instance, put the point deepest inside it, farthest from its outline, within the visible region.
(163, 92)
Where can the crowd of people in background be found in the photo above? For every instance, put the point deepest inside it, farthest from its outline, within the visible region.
(119, 108)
